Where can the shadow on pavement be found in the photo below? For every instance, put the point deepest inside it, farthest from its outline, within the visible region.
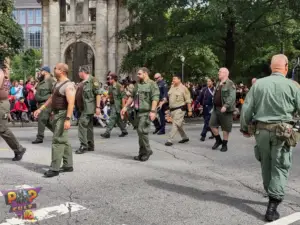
(215, 196)
(37, 168)
(117, 155)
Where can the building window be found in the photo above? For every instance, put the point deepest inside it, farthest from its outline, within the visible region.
(15, 15)
(38, 16)
(30, 17)
(22, 18)
(34, 37)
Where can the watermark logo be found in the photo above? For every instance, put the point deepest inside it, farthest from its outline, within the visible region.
(21, 201)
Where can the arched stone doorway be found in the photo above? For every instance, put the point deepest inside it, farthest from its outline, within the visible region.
(79, 54)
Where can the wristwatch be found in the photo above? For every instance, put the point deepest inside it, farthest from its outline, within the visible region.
(68, 118)
(153, 111)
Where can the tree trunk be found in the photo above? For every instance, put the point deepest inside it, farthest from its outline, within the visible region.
(230, 45)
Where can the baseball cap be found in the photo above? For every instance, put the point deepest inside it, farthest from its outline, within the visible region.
(46, 68)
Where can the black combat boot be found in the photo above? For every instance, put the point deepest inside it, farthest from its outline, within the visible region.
(271, 213)
(19, 155)
(37, 141)
(81, 150)
(217, 143)
(123, 134)
(224, 146)
(202, 138)
(105, 135)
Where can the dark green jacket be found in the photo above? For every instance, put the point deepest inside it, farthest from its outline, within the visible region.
(228, 95)
(116, 94)
(44, 90)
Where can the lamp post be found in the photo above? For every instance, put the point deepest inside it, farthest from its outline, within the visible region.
(182, 58)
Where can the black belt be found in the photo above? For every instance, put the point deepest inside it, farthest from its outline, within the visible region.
(173, 109)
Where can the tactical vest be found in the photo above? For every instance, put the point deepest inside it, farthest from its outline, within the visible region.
(3, 90)
(59, 101)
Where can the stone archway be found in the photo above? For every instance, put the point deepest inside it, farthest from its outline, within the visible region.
(78, 54)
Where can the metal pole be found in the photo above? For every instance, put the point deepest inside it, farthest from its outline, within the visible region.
(182, 71)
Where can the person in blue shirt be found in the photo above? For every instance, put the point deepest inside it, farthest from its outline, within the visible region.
(206, 100)
(161, 108)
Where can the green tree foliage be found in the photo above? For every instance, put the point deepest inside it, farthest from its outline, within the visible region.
(241, 35)
(25, 64)
(11, 34)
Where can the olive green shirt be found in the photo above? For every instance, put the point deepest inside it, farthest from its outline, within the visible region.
(116, 94)
(44, 90)
(228, 94)
(272, 99)
(144, 93)
(91, 89)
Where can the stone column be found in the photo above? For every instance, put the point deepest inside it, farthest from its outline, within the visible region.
(123, 22)
(72, 11)
(45, 31)
(54, 33)
(112, 20)
(86, 11)
(101, 41)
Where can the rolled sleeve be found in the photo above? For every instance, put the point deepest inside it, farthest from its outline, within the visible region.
(154, 92)
(187, 96)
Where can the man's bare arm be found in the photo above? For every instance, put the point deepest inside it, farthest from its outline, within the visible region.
(47, 103)
(154, 105)
(70, 94)
(1, 77)
(129, 101)
(98, 100)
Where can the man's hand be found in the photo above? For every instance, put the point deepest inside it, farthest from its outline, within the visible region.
(67, 124)
(98, 111)
(123, 111)
(160, 104)
(190, 113)
(37, 113)
(245, 134)
(223, 109)
(152, 116)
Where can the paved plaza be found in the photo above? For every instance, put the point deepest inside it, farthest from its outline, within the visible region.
(183, 184)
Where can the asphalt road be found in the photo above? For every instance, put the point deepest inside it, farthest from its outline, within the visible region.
(186, 184)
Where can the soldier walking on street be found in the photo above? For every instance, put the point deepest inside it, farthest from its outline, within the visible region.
(6, 133)
(160, 124)
(224, 105)
(116, 95)
(88, 97)
(179, 101)
(62, 103)
(43, 93)
(145, 96)
(269, 106)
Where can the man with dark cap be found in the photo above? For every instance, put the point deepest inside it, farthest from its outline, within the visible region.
(179, 101)
(43, 93)
(116, 95)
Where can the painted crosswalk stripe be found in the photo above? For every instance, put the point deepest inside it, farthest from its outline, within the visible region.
(47, 213)
(286, 220)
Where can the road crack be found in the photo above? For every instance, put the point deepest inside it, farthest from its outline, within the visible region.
(174, 155)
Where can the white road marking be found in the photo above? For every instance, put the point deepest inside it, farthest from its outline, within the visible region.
(285, 220)
(47, 213)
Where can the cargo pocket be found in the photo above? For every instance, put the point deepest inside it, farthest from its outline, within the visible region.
(257, 153)
(146, 126)
(286, 157)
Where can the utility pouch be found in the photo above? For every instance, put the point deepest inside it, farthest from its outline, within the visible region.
(251, 129)
(284, 131)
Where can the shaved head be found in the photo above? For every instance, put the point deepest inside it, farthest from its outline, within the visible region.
(279, 64)
(223, 74)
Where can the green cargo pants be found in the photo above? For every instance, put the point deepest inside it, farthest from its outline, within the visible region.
(44, 121)
(61, 148)
(6, 133)
(143, 127)
(115, 118)
(86, 131)
(276, 159)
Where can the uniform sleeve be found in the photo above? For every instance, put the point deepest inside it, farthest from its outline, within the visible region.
(247, 110)
(297, 99)
(96, 87)
(165, 90)
(154, 92)
(132, 91)
(230, 100)
(122, 92)
(187, 96)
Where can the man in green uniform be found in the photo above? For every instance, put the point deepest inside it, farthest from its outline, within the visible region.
(6, 133)
(88, 96)
(223, 107)
(146, 97)
(116, 95)
(62, 103)
(43, 92)
(271, 102)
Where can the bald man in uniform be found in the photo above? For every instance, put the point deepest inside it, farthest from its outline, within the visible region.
(224, 105)
(272, 101)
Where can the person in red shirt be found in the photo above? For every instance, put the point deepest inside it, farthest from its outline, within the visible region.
(20, 110)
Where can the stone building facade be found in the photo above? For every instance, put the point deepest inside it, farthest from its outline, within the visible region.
(83, 32)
